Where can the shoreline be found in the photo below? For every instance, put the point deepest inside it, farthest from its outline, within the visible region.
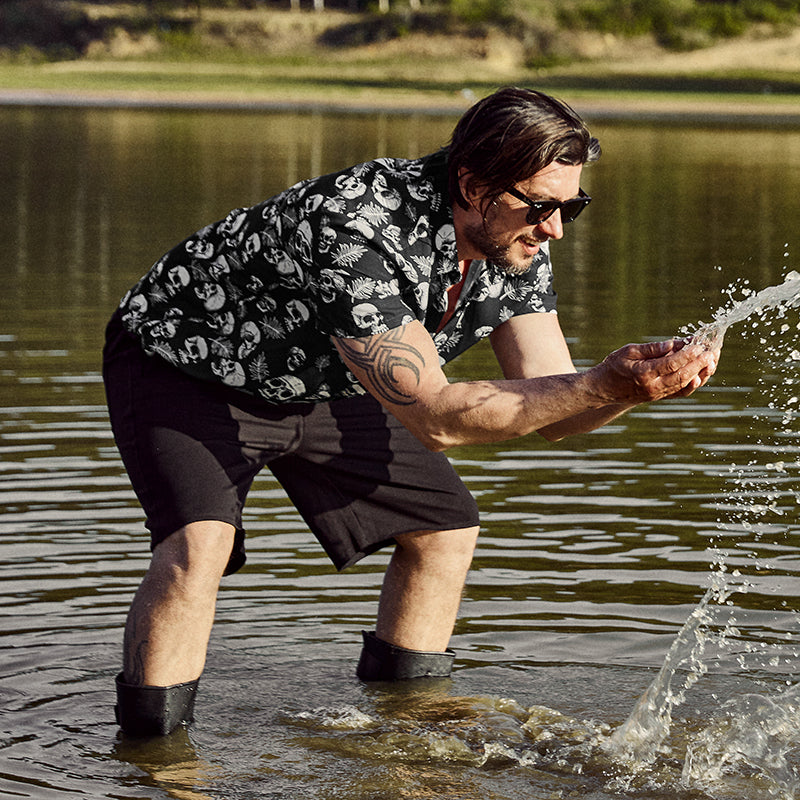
(267, 60)
(770, 111)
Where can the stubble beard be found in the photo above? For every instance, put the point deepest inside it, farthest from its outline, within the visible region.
(497, 252)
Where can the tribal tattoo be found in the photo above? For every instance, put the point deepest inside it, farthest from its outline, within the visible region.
(382, 358)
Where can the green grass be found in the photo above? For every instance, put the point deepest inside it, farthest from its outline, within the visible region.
(303, 82)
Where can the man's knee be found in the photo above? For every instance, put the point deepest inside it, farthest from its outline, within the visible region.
(454, 545)
(194, 557)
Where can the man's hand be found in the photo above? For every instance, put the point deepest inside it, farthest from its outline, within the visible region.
(641, 373)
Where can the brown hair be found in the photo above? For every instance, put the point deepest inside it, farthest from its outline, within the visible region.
(509, 136)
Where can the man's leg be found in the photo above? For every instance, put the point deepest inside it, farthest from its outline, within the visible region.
(422, 588)
(168, 627)
(419, 603)
(170, 619)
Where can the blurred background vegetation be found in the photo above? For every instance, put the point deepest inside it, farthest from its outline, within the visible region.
(547, 32)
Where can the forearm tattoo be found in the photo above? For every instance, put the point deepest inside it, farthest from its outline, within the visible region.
(385, 359)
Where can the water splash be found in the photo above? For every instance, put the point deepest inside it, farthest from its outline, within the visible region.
(637, 741)
(781, 297)
(754, 731)
(749, 731)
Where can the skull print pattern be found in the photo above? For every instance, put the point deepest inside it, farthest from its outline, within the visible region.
(253, 300)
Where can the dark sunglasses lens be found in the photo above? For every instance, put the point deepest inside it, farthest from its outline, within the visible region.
(540, 211)
(543, 209)
(572, 208)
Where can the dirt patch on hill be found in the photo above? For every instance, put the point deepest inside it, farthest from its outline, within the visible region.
(756, 51)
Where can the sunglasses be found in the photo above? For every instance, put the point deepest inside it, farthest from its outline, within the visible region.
(540, 210)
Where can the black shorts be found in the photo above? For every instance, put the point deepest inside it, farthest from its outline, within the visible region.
(192, 449)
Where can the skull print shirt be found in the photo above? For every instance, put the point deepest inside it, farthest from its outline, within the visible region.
(253, 300)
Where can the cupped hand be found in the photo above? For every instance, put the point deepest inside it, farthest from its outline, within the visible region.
(642, 373)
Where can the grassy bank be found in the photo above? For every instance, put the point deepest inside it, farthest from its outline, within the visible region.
(431, 59)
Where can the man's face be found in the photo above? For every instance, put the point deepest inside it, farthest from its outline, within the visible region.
(504, 235)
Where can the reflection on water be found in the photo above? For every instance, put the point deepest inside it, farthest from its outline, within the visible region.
(594, 552)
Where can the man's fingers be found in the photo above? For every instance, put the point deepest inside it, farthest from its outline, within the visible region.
(691, 368)
(648, 350)
(657, 370)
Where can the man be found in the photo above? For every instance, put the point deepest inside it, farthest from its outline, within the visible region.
(308, 333)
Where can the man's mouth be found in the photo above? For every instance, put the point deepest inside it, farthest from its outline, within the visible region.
(531, 245)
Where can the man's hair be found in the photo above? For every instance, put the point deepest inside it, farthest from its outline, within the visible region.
(509, 136)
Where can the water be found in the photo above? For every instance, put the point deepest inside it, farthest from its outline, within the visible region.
(779, 298)
(754, 729)
(654, 559)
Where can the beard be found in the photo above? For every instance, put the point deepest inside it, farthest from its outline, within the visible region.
(497, 251)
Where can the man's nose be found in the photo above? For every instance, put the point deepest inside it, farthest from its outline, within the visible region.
(553, 226)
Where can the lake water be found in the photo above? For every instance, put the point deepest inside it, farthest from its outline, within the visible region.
(595, 552)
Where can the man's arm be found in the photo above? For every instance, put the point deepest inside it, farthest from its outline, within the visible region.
(532, 345)
(401, 369)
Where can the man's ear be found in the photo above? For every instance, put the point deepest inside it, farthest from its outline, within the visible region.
(470, 189)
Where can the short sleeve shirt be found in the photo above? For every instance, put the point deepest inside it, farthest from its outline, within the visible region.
(253, 300)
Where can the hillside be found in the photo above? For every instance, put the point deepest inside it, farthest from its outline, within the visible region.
(262, 55)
